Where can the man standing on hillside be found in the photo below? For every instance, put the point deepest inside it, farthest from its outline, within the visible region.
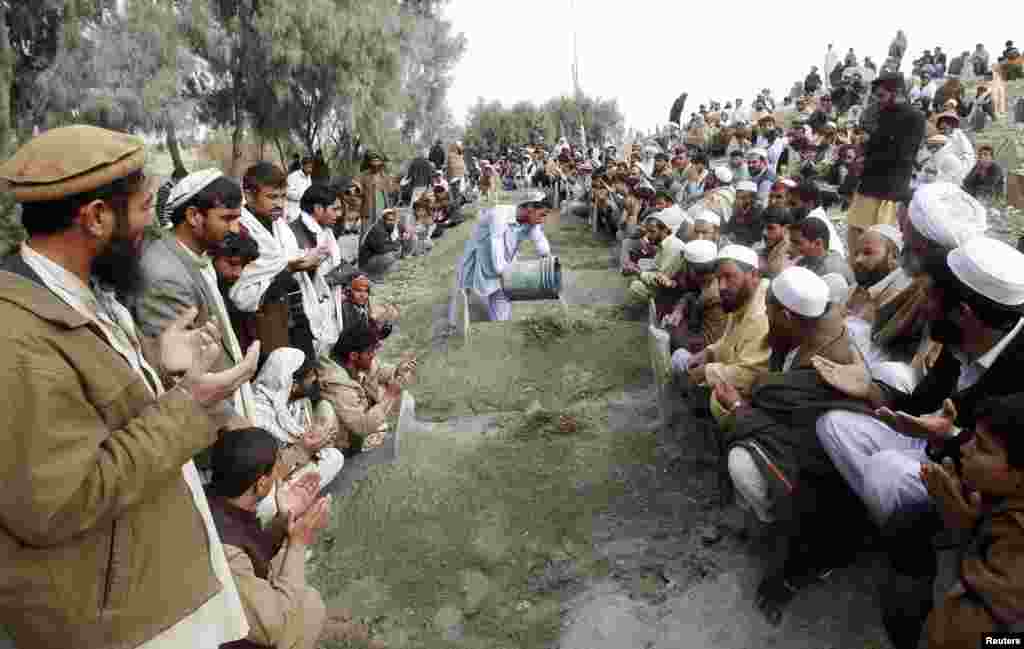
(889, 158)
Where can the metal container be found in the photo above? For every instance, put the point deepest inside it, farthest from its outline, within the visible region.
(536, 279)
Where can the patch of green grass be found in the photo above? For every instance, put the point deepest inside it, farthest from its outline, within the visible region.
(545, 329)
(453, 532)
(463, 525)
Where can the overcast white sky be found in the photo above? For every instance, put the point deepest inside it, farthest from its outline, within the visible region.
(646, 52)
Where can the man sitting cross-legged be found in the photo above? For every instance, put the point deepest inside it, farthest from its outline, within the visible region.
(269, 565)
(774, 459)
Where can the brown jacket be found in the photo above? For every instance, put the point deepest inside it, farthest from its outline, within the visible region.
(456, 163)
(991, 585)
(101, 545)
(358, 403)
(370, 185)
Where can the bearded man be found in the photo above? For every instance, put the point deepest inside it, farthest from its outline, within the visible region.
(107, 537)
(741, 354)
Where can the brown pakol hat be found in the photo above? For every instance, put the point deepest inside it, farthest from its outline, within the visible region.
(70, 160)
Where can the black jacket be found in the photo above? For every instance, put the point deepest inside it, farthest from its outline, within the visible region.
(985, 185)
(940, 384)
(891, 151)
(812, 83)
(437, 156)
(378, 242)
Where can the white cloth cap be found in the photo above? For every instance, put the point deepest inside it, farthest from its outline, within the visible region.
(708, 216)
(947, 215)
(757, 152)
(191, 185)
(533, 197)
(838, 289)
(789, 182)
(890, 232)
(801, 291)
(700, 252)
(671, 216)
(724, 175)
(741, 254)
(746, 186)
(992, 268)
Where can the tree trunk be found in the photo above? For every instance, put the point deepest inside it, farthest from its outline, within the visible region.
(174, 149)
(280, 153)
(6, 84)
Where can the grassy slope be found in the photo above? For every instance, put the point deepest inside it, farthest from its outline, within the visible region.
(456, 529)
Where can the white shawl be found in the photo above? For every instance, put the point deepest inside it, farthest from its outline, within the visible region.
(287, 421)
(248, 291)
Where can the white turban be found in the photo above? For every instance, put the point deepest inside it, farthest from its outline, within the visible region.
(189, 186)
(890, 232)
(992, 268)
(724, 175)
(700, 251)
(801, 291)
(947, 215)
(838, 289)
(741, 254)
(672, 217)
(708, 216)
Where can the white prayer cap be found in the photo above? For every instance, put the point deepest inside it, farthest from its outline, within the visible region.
(801, 291)
(533, 198)
(757, 152)
(724, 175)
(890, 232)
(191, 185)
(946, 215)
(789, 182)
(741, 254)
(838, 289)
(708, 216)
(746, 186)
(992, 268)
(700, 252)
(672, 217)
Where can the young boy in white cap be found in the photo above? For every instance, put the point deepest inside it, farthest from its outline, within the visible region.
(661, 228)
(697, 320)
